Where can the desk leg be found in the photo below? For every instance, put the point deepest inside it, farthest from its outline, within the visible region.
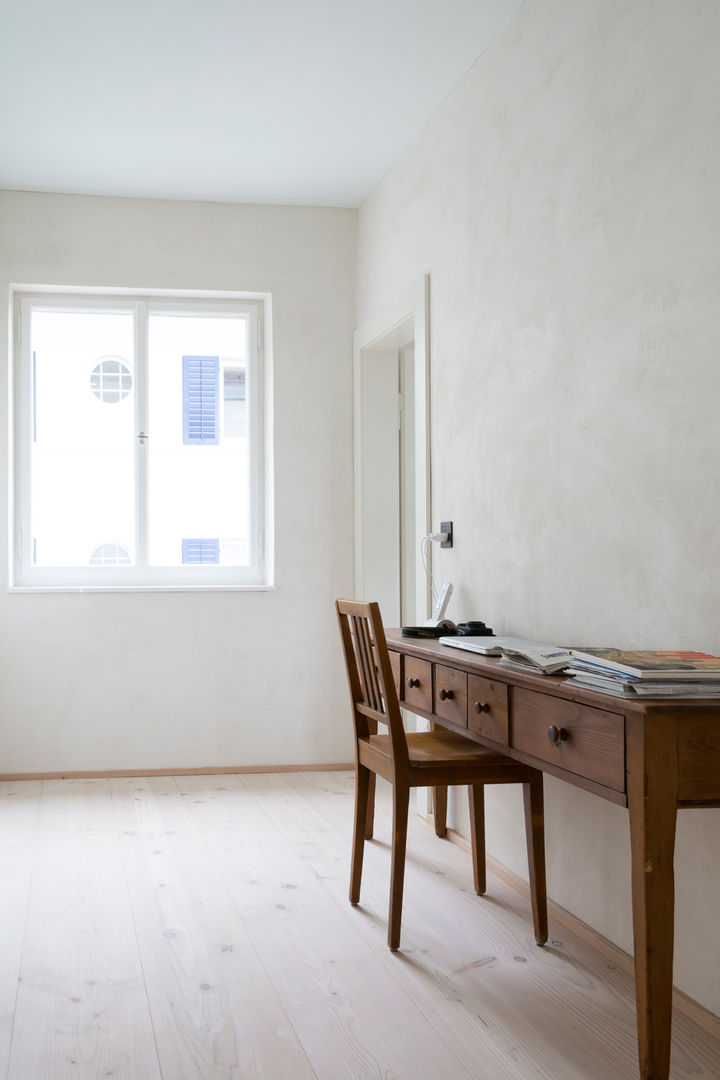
(440, 810)
(535, 839)
(440, 801)
(652, 801)
(476, 794)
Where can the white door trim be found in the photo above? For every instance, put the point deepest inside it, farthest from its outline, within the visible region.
(404, 320)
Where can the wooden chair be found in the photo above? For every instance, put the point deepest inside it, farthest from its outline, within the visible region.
(422, 759)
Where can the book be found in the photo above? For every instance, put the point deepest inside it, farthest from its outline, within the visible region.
(590, 672)
(676, 689)
(634, 688)
(616, 688)
(668, 665)
(547, 659)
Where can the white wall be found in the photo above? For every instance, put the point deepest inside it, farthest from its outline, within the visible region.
(565, 203)
(153, 680)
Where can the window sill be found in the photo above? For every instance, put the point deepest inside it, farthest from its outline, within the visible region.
(33, 589)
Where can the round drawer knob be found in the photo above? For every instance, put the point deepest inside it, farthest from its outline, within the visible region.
(413, 682)
(443, 694)
(482, 706)
(557, 734)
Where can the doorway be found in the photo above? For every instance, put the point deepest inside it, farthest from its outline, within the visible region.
(392, 458)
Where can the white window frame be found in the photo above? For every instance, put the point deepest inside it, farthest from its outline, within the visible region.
(257, 308)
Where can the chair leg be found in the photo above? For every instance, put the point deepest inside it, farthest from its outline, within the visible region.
(535, 834)
(401, 801)
(476, 797)
(440, 810)
(362, 785)
(370, 816)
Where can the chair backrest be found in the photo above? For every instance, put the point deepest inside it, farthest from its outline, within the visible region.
(372, 687)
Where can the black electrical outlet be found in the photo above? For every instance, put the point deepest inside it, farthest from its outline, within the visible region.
(446, 527)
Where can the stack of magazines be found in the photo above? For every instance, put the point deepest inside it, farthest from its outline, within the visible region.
(642, 673)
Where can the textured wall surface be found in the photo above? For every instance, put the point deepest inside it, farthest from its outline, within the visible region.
(156, 680)
(565, 203)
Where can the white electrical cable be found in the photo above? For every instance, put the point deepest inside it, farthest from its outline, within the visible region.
(437, 537)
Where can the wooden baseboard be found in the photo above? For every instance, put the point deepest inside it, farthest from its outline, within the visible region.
(705, 1019)
(206, 770)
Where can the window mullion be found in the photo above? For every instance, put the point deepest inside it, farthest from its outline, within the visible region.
(24, 434)
(256, 429)
(142, 450)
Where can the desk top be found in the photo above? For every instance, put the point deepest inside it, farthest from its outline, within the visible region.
(563, 686)
(603, 729)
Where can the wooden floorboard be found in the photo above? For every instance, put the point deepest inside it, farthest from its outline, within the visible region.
(213, 1006)
(198, 928)
(341, 999)
(19, 812)
(82, 1009)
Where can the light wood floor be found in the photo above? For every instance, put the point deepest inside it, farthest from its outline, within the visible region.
(197, 928)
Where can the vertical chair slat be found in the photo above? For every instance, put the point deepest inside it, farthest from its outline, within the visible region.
(360, 658)
(373, 667)
(366, 661)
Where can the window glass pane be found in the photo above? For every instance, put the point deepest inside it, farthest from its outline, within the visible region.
(234, 402)
(82, 455)
(199, 466)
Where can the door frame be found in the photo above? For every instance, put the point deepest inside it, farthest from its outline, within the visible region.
(404, 319)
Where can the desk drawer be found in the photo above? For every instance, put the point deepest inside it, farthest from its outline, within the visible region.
(396, 665)
(417, 688)
(451, 695)
(590, 742)
(488, 708)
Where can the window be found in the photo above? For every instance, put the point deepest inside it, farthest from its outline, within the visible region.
(139, 418)
(109, 555)
(111, 380)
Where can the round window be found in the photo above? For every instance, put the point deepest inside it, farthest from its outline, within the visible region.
(110, 555)
(111, 379)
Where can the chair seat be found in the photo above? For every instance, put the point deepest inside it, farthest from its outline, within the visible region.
(439, 749)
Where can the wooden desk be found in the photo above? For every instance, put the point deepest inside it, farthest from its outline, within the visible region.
(651, 756)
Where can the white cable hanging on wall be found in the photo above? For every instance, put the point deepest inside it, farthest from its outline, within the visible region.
(440, 599)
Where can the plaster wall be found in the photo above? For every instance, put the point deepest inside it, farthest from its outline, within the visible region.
(187, 679)
(564, 201)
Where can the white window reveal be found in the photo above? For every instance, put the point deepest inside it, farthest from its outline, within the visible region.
(165, 454)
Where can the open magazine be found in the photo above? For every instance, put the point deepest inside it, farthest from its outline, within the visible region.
(521, 653)
(547, 659)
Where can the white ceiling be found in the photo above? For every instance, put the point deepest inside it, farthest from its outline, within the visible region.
(275, 101)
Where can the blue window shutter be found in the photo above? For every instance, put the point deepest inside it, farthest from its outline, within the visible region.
(201, 400)
(200, 550)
